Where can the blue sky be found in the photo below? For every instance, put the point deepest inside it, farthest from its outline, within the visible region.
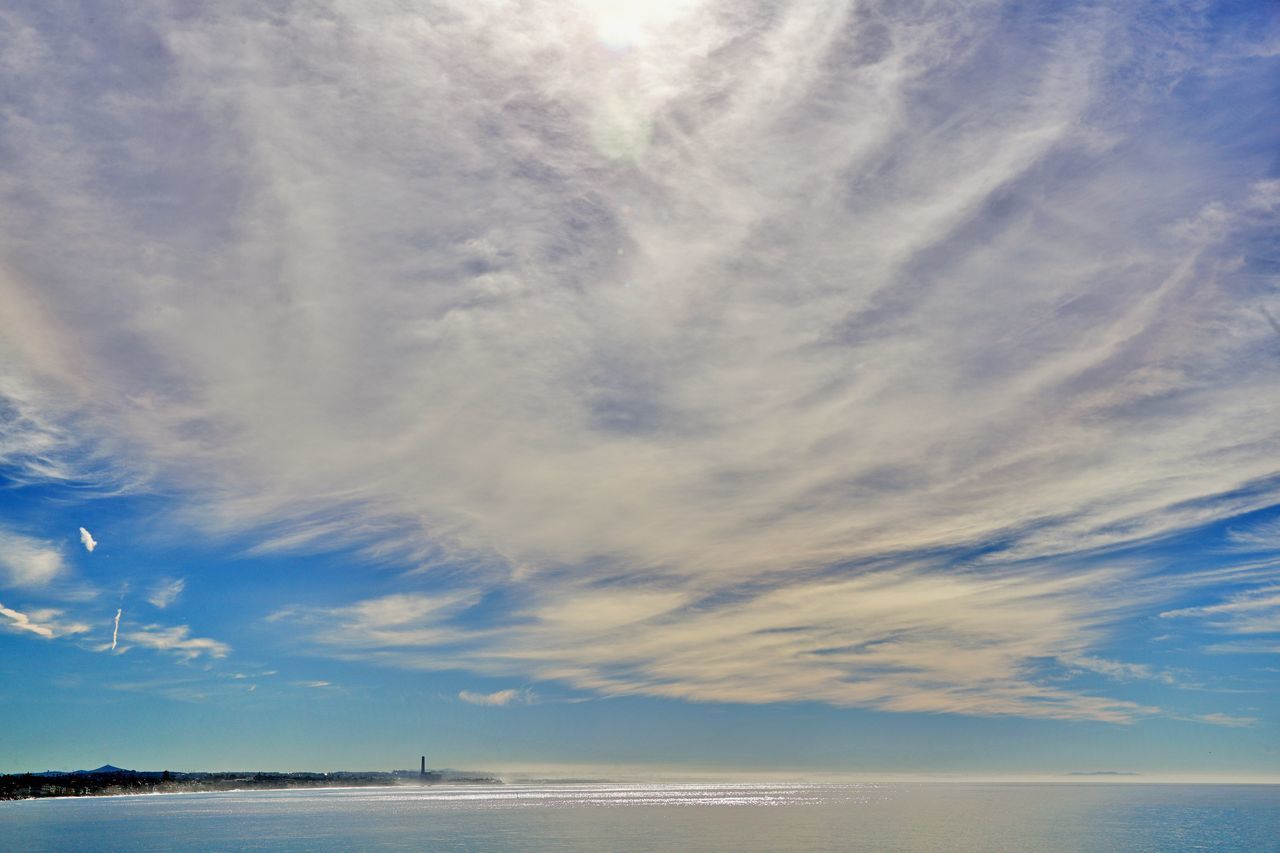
(600, 386)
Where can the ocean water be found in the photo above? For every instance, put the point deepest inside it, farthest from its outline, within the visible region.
(684, 817)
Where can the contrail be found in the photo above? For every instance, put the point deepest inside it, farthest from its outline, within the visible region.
(115, 633)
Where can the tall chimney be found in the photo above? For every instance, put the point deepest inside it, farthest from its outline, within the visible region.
(423, 771)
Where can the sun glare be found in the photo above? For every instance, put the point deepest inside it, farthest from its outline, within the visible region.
(626, 24)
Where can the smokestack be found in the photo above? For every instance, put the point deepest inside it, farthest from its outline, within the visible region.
(423, 771)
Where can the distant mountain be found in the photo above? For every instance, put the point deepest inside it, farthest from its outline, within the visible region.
(103, 770)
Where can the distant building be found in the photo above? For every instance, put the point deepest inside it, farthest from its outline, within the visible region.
(424, 776)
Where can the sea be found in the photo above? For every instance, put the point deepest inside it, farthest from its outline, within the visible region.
(683, 817)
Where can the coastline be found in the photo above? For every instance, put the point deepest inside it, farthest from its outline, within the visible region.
(243, 791)
(75, 786)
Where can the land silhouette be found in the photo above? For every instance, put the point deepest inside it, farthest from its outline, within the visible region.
(109, 780)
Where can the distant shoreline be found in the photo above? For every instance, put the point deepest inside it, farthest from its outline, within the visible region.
(30, 786)
(189, 791)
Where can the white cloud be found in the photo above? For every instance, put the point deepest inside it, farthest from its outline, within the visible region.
(664, 343)
(907, 639)
(393, 619)
(1258, 537)
(47, 623)
(87, 540)
(1252, 611)
(1118, 670)
(1228, 720)
(115, 628)
(166, 592)
(22, 622)
(32, 446)
(177, 640)
(499, 698)
(28, 562)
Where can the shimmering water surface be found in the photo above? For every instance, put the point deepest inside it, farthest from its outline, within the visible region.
(880, 817)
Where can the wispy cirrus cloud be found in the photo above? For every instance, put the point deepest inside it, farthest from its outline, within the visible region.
(33, 447)
(671, 327)
(1247, 647)
(1119, 670)
(499, 698)
(177, 640)
(1252, 611)
(1227, 720)
(166, 592)
(906, 640)
(1257, 537)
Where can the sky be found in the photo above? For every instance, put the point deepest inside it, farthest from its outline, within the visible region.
(627, 386)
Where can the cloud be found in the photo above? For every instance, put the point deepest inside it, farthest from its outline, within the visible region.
(28, 562)
(499, 698)
(783, 356)
(166, 592)
(87, 540)
(1226, 720)
(1252, 611)
(22, 622)
(33, 447)
(400, 618)
(1260, 647)
(316, 685)
(194, 687)
(1264, 536)
(1118, 670)
(45, 623)
(177, 640)
(896, 639)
